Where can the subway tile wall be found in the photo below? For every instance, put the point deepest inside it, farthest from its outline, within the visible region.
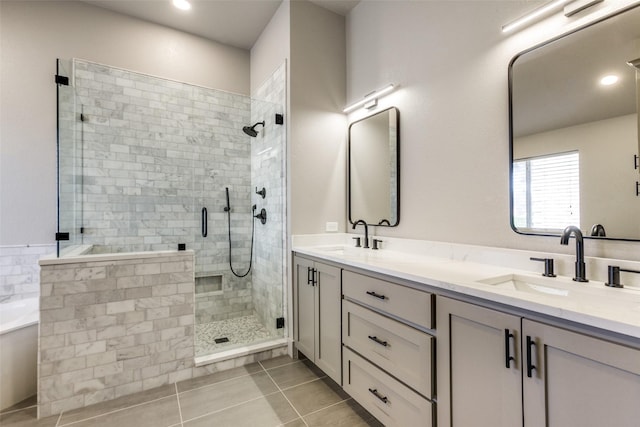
(20, 272)
(154, 153)
(109, 328)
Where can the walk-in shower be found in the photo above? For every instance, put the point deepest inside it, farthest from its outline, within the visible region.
(149, 164)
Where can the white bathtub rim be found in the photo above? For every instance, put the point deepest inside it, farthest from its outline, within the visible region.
(29, 317)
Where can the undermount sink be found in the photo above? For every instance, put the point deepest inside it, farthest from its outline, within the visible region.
(336, 250)
(530, 284)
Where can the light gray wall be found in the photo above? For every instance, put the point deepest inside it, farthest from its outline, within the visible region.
(451, 61)
(318, 126)
(272, 47)
(32, 35)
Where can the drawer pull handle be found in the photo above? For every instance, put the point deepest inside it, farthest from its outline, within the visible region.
(374, 391)
(379, 341)
(373, 294)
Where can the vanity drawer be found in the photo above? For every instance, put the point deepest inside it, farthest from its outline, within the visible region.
(406, 303)
(391, 402)
(401, 350)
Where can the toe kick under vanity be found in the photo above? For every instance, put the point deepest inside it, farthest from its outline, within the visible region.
(442, 339)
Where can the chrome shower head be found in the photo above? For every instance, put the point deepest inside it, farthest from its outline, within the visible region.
(251, 130)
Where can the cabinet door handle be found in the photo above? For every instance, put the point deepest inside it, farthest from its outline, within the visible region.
(379, 341)
(507, 349)
(373, 294)
(309, 276)
(530, 366)
(374, 391)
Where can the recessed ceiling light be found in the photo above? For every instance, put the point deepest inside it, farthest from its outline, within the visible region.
(609, 80)
(182, 4)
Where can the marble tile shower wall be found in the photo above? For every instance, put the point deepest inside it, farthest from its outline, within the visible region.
(20, 272)
(155, 152)
(114, 327)
(268, 171)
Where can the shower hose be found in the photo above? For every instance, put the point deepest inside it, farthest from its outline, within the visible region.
(253, 227)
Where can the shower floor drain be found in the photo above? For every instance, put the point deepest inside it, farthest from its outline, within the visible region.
(221, 340)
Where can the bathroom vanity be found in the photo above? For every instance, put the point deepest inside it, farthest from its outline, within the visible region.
(430, 336)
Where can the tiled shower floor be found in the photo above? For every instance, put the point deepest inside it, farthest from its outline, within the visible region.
(239, 331)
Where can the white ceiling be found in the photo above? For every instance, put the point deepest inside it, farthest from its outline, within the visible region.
(236, 23)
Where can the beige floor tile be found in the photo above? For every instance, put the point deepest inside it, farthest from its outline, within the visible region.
(116, 404)
(218, 376)
(159, 413)
(277, 361)
(272, 410)
(224, 394)
(295, 423)
(344, 414)
(315, 395)
(26, 418)
(294, 374)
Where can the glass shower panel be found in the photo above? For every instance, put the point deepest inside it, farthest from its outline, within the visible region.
(239, 262)
(268, 159)
(69, 153)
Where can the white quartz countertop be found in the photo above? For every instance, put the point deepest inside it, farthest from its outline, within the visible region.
(593, 303)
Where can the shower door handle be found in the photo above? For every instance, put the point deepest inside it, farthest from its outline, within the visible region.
(204, 222)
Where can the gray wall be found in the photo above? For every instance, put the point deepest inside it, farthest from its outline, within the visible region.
(318, 126)
(451, 61)
(32, 35)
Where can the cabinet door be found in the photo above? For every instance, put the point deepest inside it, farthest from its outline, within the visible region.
(328, 338)
(477, 384)
(305, 307)
(578, 380)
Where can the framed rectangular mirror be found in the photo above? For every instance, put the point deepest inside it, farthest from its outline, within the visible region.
(573, 137)
(374, 169)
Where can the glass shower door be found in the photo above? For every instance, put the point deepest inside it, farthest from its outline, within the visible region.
(69, 160)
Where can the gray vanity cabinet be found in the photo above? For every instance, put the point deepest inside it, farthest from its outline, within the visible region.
(557, 377)
(387, 355)
(317, 314)
(475, 387)
(579, 380)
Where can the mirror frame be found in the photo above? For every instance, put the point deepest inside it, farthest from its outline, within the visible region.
(351, 221)
(511, 131)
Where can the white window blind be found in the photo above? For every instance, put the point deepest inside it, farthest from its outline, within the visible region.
(546, 192)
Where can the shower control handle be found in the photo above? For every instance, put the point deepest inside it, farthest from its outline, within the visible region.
(262, 216)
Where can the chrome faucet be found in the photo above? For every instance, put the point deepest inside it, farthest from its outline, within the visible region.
(564, 240)
(366, 232)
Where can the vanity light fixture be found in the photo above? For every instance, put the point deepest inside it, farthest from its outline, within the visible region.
(536, 13)
(370, 100)
(609, 80)
(635, 63)
(182, 4)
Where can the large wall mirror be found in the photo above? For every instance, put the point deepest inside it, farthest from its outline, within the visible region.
(574, 132)
(374, 169)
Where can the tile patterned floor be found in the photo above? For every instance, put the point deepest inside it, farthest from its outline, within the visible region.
(276, 392)
(240, 331)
